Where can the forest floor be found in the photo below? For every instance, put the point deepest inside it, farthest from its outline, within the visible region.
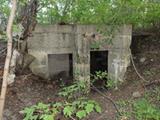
(29, 89)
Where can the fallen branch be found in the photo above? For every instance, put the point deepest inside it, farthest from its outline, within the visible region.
(8, 57)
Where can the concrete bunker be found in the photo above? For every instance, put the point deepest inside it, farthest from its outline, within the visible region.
(70, 45)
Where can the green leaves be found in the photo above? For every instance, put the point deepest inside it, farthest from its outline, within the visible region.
(143, 110)
(28, 113)
(81, 114)
(42, 106)
(40, 111)
(74, 91)
(68, 111)
(80, 108)
(112, 12)
(75, 106)
(89, 108)
(98, 108)
(47, 117)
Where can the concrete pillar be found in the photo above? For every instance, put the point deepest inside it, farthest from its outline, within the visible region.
(82, 58)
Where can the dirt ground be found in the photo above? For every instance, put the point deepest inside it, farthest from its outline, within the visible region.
(29, 89)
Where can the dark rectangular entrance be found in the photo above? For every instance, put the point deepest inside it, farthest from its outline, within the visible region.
(98, 62)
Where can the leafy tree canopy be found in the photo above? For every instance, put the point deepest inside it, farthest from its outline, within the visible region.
(139, 13)
(135, 12)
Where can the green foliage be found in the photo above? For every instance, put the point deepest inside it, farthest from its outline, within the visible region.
(80, 108)
(143, 110)
(40, 111)
(111, 83)
(136, 12)
(81, 114)
(73, 91)
(68, 111)
(100, 75)
(103, 76)
(29, 113)
(113, 12)
(75, 106)
(4, 8)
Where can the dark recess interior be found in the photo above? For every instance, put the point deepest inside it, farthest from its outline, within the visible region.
(61, 67)
(71, 66)
(98, 62)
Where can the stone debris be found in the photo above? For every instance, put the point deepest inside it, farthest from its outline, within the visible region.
(136, 94)
(142, 60)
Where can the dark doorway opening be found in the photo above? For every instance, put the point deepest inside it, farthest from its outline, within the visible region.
(61, 67)
(99, 62)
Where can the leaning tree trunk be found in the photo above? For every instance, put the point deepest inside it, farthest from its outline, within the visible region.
(8, 57)
(27, 18)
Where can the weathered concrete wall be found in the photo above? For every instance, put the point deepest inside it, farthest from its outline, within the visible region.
(77, 40)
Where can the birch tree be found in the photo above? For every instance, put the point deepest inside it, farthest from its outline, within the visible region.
(8, 57)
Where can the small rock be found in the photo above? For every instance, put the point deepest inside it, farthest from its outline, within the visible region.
(152, 60)
(142, 60)
(136, 94)
(124, 118)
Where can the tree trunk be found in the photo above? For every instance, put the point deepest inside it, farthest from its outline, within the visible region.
(8, 57)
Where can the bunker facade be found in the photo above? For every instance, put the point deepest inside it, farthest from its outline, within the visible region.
(65, 50)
